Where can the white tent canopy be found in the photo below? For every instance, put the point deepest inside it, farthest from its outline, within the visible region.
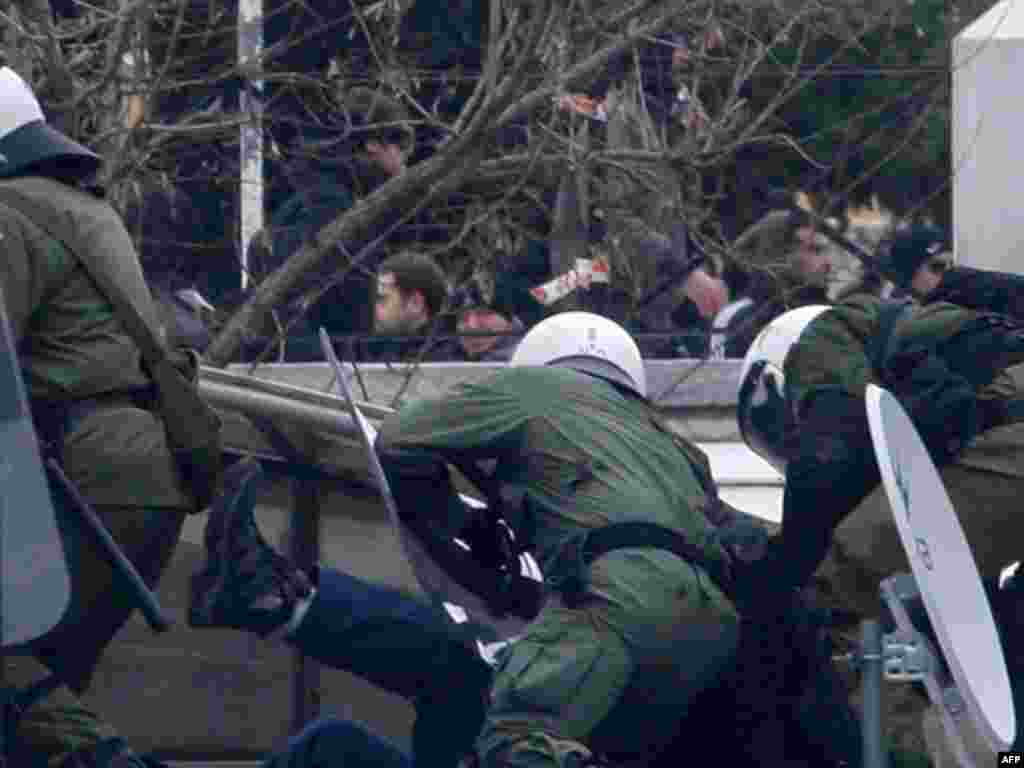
(987, 124)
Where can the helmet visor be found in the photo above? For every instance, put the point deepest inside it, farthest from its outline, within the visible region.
(762, 414)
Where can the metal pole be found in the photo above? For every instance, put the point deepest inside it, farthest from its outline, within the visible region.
(304, 543)
(871, 685)
(250, 65)
(143, 597)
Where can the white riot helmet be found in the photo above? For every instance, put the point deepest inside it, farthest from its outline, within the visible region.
(762, 409)
(588, 343)
(25, 138)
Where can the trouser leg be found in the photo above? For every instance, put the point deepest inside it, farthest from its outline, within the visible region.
(403, 646)
(573, 684)
(332, 743)
(62, 723)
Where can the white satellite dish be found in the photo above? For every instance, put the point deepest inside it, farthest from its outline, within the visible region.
(433, 579)
(944, 569)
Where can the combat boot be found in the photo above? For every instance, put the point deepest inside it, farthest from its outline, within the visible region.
(244, 584)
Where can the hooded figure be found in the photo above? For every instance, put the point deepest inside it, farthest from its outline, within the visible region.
(920, 261)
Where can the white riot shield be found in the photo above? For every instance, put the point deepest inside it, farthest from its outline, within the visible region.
(35, 586)
(946, 575)
(461, 604)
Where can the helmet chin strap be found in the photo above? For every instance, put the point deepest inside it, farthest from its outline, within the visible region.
(602, 369)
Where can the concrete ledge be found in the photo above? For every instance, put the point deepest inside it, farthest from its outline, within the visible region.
(672, 384)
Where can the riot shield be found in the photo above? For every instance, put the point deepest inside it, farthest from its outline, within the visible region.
(443, 589)
(35, 586)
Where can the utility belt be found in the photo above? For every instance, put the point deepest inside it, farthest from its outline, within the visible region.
(55, 419)
(593, 544)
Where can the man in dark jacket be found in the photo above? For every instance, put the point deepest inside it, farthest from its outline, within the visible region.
(919, 260)
(412, 295)
(165, 226)
(479, 309)
(336, 172)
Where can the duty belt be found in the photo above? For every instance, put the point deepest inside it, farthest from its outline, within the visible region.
(633, 535)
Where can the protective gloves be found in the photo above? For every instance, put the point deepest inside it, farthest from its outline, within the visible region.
(941, 402)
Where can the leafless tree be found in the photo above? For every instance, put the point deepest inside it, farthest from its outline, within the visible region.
(103, 67)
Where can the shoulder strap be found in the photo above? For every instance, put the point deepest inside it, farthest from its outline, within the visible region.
(51, 223)
(889, 313)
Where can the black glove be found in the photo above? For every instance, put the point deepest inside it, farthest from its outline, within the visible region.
(488, 540)
(984, 346)
(831, 470)
(942, 403)
(744, 539)
(519, 596)
(992, 413)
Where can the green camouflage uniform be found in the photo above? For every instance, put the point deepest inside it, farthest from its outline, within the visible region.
(72, 347)
(983, 481)
(616, 673)
(985, 478)
(832, 351)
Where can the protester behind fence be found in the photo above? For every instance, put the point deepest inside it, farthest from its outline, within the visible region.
(919, 260)
(410, 323)
(659, 269)
(480, 308)
(443, 41)
(339, 169)
(788, 265)
(189, 81)
(167, 232)
(665, 66)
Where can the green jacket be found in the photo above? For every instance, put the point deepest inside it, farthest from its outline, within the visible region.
(72, 346)
(583, 453)
(941, 362)
(832, 352)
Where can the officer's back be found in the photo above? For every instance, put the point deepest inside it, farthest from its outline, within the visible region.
(91, 403)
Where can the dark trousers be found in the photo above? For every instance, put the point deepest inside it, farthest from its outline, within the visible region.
(404, 646)
(332, 743)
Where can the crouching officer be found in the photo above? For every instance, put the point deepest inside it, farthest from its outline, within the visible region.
(801, 407)
(89, 396)
(604, 671)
